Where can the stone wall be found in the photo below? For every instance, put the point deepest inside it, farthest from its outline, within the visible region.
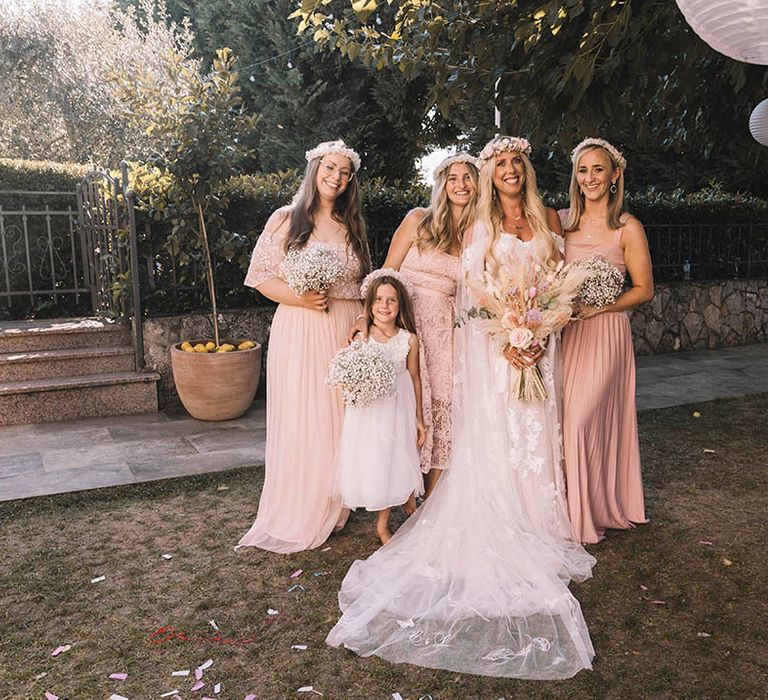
(682, 316)
(698, 315)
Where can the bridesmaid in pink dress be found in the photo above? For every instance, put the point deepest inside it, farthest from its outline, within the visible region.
(426, 248)
(297, 510)
(601, 449)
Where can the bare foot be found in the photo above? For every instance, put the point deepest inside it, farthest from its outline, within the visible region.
(409, 507)
(383, 533)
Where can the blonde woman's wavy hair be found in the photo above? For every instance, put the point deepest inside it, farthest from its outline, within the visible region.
(436, 229)
(615, 200)
(489, 210)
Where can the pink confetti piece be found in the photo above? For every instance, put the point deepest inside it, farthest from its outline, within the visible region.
(183, 673)
(658, 602)
(61, 649)
(98, 579)
(643, 588)
(706, 542)
(198, 673)
(297, 573)
(50, 696)
(217, 689)
(250, 696)
(197, 686)
(118, 676)
(205, 665)
(397, 696)
(207, 698)
(271, 611)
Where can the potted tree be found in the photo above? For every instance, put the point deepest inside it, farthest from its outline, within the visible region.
(201, 127)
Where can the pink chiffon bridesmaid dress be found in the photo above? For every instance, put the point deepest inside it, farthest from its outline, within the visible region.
(601, 448)
(433, 275)
(298, 509)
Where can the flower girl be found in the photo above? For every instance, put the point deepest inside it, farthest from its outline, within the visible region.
(378, 460)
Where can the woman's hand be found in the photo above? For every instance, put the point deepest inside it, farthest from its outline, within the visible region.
(520, 359)
(317, 301)
(584, 312)
(360, 326)
(421, 434)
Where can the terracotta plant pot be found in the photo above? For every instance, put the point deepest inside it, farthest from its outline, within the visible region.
(216, 385)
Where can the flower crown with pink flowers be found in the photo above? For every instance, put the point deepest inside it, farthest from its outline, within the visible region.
(385, 272)
(502, 144)
(338, 148)
(456, 158)
(615, 153)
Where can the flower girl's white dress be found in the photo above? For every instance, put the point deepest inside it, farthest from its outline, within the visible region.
(378, 463)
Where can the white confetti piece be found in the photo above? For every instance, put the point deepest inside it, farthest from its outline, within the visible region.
(167, 557)
(115, 696)
(183, 673)
(271, 611)
(658, 602)
(327, 549)
(217, 689)
(299, 647)
(406, 623)
(169, 693)
(727, 562)
(223, 488)
(297, 573)
(250, 696)
(397, 696)
(308, 689)
(118, 676)
(198, 686)
(706, 542)
(213, 624)
(643, 588)
(50, 696)
(207, 664)
(61, 649)
(708, 451)
(703, 634)
(40, 676)
(98, 579)
(295, 586)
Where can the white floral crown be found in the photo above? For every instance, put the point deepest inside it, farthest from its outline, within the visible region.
(456, 158)
(614, 152)
(502, 144)
(336, 147)
(385, 272)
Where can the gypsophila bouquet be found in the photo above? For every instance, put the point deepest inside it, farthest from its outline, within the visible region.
(603, 284)
(362, 374)
(311, 268)
(521, 307)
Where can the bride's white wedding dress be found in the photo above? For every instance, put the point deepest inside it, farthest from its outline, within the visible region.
(476, 580)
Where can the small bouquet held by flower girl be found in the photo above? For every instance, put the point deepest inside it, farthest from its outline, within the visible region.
(603, 284)
(362, 374)
(311, 268)
(521, 307)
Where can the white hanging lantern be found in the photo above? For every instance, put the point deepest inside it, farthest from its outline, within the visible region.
(758, 123)
(736, 28)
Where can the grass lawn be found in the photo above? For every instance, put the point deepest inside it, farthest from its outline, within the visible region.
(676, 609)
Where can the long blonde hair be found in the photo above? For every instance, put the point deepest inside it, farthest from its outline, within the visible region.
(436, 229)
(615, 200)
(347, 210)
(489, 210)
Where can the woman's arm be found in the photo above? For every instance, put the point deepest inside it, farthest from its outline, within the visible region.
(413, 369)
(638, 260)
(403, 239)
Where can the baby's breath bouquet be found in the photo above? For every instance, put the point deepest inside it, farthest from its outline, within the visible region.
(362, 374)
(311, 268)
(603, 284)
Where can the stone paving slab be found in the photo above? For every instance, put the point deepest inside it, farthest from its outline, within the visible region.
(52, 458)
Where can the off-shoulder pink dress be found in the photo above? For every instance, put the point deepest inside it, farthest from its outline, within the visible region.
(297, 510)
(602, 453)
(433, 274)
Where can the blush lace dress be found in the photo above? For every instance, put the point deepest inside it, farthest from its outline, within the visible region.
(298, 509)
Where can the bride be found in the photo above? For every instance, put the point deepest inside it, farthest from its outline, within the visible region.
(476, 580)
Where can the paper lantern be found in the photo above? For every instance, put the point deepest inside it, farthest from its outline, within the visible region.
(736, 28)
(758, 123)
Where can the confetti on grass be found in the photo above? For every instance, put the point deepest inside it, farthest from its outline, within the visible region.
(167, 557)
(707, 451)
(295, 586)
(271, 611)
(198, 686)
(50, 696)
(706, 542)
(169, 693)
(703, 634)
(61, 649)
(180, 673)
(397, 696)
(297, 573)
(115, 696)
(118, 676)
(206, 665)
(299, 647)
(308, 689)
(213, 624)
(98, 579)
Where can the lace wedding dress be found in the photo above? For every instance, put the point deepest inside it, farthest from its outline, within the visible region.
(476, 580)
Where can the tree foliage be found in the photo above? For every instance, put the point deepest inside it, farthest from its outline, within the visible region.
(58, 100)
(630, 70)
